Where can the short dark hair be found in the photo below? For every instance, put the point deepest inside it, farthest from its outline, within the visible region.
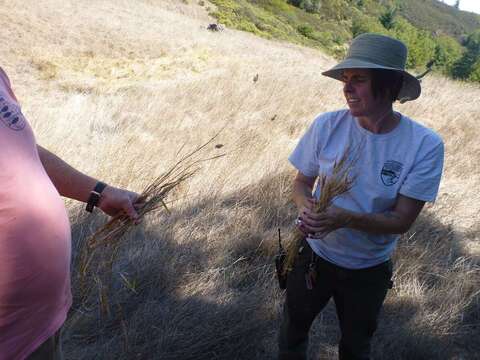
(386, 83)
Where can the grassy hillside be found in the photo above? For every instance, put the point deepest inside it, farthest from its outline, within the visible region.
(431, 30)
(435, 16)
(117, 87)
(283, 21)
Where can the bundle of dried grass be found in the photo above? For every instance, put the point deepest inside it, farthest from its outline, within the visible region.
(107, 239)
(331, 186)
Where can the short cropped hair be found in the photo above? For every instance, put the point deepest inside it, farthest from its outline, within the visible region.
(386, 83)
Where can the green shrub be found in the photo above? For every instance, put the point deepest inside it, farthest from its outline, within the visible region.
(473, 42)
(305, 30)
(275, 5)
(365, 24)
(447, 52)
(311, 6)
(336, 9)
(466, 67)
(387, 19)
(421, 47)
(297, 3)
(463, 67)
(475, 72)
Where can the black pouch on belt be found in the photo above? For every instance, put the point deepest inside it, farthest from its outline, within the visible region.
(280, 264)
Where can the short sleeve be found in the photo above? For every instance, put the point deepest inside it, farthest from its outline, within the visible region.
(423, 181)
(8, 86)
(305, 155)
(4, 77)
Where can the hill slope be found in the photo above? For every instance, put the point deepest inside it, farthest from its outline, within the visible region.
(434, 15)
(116, 87)
(431, 30)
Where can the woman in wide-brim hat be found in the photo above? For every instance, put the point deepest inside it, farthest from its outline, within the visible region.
(347, 249)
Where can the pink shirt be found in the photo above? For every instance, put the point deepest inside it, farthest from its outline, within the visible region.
(34, 239)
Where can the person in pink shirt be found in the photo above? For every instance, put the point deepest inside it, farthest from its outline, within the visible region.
(35, 243)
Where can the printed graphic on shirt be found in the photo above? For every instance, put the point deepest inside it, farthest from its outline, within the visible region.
(391, 172)
(11, 115)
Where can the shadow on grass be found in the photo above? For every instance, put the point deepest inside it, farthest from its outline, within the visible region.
(201, 285)
(436, 316)
(432, 312)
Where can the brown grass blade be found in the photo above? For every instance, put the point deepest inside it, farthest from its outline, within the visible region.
(331, 186)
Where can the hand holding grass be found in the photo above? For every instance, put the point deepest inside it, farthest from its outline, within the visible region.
(127, 208)
(115, 201)
(338, 182)
(318, 225)
(306, 209)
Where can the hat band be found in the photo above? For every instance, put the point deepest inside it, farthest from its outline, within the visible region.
(378, 62)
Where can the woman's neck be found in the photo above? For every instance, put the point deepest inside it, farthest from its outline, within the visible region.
(381, 122)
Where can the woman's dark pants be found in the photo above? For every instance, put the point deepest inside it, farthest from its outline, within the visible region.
(358, 296)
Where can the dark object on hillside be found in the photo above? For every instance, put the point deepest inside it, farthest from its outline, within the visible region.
(215, 27)
(218, 146)
(255, 78)
(273, 117)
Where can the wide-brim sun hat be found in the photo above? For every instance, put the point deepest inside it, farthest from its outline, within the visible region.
(375, 51)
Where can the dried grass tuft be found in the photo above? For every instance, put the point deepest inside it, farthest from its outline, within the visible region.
(331, 186)
(107, 239)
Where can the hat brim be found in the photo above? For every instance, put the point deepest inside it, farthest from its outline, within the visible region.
(411, 88)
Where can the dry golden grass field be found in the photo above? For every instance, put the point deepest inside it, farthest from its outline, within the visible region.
(117, 87)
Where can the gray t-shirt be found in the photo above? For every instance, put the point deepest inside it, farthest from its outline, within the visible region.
(408, 160)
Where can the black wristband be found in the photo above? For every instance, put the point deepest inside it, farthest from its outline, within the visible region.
(94, 197)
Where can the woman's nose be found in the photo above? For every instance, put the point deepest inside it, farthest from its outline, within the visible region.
(347, 86)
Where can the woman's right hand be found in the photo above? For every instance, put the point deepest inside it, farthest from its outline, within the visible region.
(302, 196)
(306, 215)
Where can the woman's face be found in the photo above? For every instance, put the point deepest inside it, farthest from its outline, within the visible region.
(357, 89)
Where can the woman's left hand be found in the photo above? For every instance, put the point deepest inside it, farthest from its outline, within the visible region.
(114, 200)
(331, 219)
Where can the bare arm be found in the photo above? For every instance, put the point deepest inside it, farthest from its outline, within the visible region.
(396, 221)
(69, 182)
(302, 190)
(74, 184)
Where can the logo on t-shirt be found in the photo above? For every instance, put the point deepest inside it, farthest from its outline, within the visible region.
(391, 172)
(11, 115)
